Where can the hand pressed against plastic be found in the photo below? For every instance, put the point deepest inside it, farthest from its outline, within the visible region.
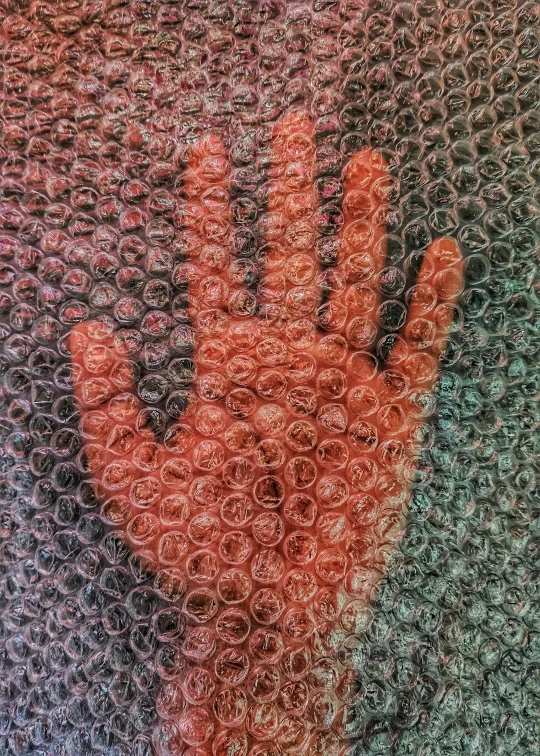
(274, 500)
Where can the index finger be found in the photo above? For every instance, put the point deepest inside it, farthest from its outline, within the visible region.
(432, 302)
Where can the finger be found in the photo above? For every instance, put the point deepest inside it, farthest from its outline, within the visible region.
(404, 388)
(289, 282)
(431, 309)
(351, 288)
(209, 278)
(392, 406)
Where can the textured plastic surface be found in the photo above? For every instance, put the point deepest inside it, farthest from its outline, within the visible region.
(215, 595)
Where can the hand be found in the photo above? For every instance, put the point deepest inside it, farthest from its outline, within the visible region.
(276, 498)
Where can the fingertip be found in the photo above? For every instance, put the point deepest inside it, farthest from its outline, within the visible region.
(364, 168)
(445, 252)
(365, 190)
(293, 139)
(293, 122)
(445, 263)
(99, 330)
(207, 162)
(209, 145)
(78, 340)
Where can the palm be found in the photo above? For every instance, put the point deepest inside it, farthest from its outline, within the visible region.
(283, 485)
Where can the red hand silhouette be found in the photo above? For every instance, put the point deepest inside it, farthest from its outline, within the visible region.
(277, 496)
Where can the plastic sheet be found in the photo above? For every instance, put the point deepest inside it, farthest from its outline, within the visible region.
(269, 386)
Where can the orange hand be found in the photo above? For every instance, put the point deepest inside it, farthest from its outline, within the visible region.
(275, 499)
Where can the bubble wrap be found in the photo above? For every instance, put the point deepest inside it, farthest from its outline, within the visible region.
(269, 449)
